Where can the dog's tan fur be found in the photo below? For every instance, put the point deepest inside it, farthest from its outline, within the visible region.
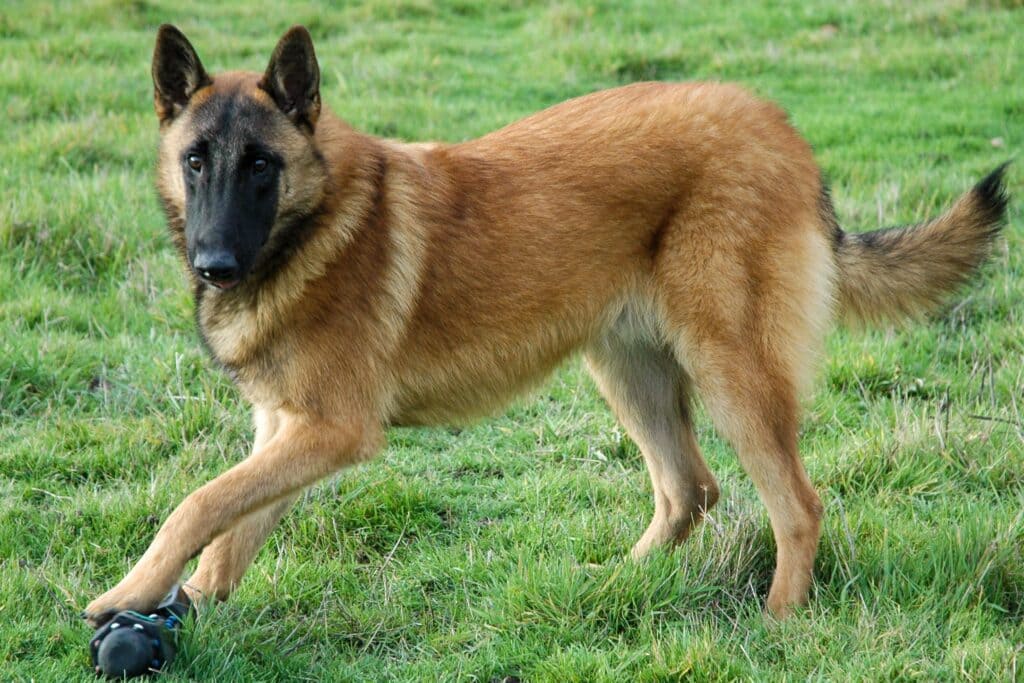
(677, 234)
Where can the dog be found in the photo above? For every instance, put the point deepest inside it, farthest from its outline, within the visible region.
(680, 236)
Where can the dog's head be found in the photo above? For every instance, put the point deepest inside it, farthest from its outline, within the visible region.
(238, 162)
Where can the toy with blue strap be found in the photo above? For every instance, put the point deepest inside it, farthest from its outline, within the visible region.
(133, 644)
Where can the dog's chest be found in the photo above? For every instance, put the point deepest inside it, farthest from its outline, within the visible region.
(232, 331)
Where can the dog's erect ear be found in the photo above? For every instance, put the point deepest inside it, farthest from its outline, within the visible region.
(293, 78)
(177, 72)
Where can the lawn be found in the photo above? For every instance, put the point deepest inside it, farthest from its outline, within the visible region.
(496, 552)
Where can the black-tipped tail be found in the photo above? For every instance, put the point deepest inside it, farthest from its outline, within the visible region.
(905, 272)
(992, 196)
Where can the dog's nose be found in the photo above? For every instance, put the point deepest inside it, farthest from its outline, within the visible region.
(218, 267)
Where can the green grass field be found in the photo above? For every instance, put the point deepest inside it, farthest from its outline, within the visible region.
(496, 553)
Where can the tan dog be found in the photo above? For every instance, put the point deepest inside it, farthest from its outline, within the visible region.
(678, 234)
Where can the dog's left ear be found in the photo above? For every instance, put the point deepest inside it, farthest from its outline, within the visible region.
(293, 78)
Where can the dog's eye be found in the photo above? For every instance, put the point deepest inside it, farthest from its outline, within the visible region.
(259, 165)
(195, 162)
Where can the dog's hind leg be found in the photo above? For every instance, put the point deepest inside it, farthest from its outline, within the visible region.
(648, 392)
(754, 406)
(747, 320)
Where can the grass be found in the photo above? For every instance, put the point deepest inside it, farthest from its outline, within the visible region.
(495, 553)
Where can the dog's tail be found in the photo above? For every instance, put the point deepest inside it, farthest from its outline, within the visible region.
(903, 272)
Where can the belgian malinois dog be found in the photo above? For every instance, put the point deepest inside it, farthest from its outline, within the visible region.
(679, 235)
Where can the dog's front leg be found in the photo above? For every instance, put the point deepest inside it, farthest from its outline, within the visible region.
(225, 559)
(302, 451)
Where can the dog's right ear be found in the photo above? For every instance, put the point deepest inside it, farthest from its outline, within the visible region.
(177, 73)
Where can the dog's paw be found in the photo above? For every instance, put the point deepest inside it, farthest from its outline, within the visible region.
(122, 597)
(97, 619)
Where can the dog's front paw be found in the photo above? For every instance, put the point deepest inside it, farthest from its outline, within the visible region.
(127, 595)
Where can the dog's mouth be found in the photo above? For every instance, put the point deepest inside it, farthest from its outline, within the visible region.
(225, 286)
(221, 283)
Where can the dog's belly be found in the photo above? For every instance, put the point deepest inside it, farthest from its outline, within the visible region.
(477, 377)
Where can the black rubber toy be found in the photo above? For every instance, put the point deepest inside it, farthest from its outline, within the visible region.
(133, 644)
